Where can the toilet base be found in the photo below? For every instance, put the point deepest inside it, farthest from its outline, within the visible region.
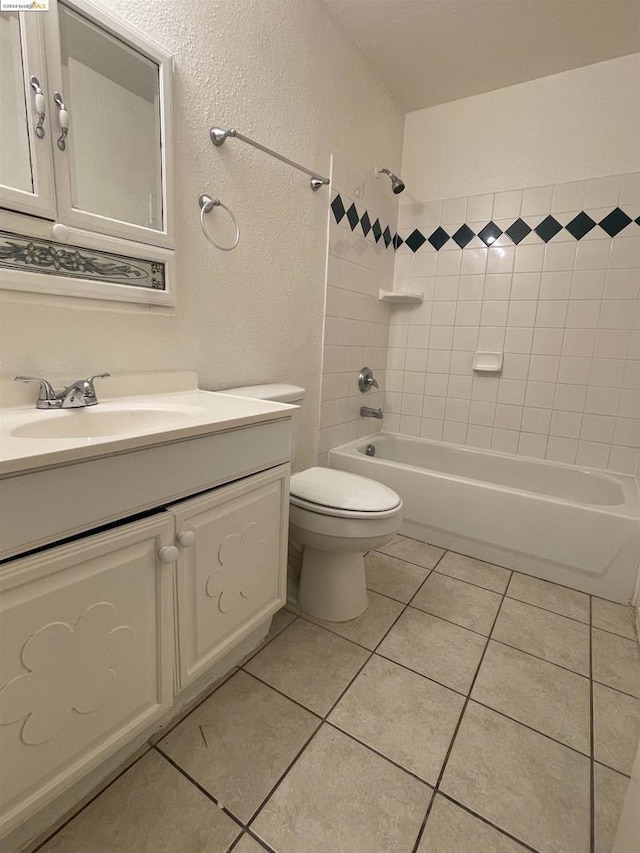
(333, 585)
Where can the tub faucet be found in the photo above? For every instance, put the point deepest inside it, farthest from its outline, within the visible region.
(368, 412)
(77, 395)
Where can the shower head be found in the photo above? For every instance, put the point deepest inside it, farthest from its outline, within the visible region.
(397, 184)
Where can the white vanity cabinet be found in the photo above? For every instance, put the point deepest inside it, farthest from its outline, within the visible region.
(86, 126)
(86, 658)
(231, 571)
(98, 636)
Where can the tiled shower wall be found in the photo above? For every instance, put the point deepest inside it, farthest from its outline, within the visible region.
(553, 280)
(360, 263)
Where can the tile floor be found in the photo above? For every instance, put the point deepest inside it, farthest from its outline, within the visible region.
(470, 710)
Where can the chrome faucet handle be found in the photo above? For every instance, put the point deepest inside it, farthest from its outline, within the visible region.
(81, 392)
(46, 394)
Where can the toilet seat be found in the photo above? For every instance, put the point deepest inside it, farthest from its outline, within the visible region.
(343, 495)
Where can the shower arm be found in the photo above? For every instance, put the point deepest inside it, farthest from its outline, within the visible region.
(219, 137)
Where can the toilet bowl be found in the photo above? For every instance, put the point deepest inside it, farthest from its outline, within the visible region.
(335, 518)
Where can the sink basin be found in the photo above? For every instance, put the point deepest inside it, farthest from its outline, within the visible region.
(96, 422)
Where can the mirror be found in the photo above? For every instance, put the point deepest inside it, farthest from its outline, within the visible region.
(114, 144)
(15, 162)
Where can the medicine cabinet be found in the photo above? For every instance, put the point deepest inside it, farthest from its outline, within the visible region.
(85, 141)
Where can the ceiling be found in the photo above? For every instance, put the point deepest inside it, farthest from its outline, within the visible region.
(431, 51)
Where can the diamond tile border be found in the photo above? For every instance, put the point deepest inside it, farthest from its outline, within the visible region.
(548, 228)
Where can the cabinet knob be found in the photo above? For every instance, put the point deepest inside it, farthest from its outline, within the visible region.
(186, 538)
(168, 554)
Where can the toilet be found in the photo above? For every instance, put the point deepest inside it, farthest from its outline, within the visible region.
(335, 518)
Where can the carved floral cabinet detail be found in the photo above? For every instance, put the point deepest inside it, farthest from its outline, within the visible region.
(233, 573)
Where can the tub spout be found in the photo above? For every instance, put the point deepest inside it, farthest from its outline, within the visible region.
(367, 412)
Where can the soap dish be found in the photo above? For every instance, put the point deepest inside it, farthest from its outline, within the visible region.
(487, 362)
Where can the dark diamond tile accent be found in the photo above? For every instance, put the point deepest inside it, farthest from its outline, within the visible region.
(377, 230)
(548, 228)
(489, 233)
(580, 225)
(338, 208)
(415, 240)
(386, 234)
(463, 236)
(518, 231)
(637, 221)
(397, 241)
(615, 222)
(352, 216)
(365, 223)
(438, 238)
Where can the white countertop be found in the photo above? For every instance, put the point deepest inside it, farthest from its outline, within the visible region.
(150, 419)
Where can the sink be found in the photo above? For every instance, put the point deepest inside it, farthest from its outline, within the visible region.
(96, 422)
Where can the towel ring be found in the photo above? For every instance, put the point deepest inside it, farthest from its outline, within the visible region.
(206, 206)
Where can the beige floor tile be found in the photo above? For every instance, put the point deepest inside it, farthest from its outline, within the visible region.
(617, 618)
(413, 552)
(247, 844)
(474, 571)
(281, 620)
(152, 808)
(552, 700)
(252, 734)
(616, 723)
(451, 829)
(393, 577)
(610, 791)
(546, 635)
(442, 651)
(616, 662)
(341, 797)
(406, 717)
(550, 596)
(367, 630)
(311, 665)
(459, 602)
(523, 782)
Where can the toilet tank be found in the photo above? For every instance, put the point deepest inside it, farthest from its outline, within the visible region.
(276, 393)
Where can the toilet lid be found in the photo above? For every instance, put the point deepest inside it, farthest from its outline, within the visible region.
(340, 490)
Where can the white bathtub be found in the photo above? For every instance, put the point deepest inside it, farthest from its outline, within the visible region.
(575, 526)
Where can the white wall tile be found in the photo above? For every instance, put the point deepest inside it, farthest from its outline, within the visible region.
(536, 200)
(497, 286)
(562, 449)
(507, 205)
(603, 192)
(569, 196)
(479, 207)
(555, 285)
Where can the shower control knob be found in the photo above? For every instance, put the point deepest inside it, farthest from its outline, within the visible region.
(366, 380)
(186, 538)
(168, 554)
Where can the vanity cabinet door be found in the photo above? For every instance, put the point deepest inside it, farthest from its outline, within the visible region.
(26, 164)
(86, 658)
(231, 568)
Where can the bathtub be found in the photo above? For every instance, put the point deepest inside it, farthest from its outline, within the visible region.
(574, 526)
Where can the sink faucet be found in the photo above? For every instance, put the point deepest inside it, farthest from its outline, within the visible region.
(367, 412)
(78, 394)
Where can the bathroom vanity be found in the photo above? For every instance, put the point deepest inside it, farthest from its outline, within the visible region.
(143, 543)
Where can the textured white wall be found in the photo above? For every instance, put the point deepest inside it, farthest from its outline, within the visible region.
(283, 73)
(570, 126)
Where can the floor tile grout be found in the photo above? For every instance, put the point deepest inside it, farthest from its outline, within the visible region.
(488, 822)
(459, 723)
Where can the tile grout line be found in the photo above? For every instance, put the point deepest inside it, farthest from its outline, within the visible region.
(460, 718)
(323, 719)
(487, 821)
(592, 769)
